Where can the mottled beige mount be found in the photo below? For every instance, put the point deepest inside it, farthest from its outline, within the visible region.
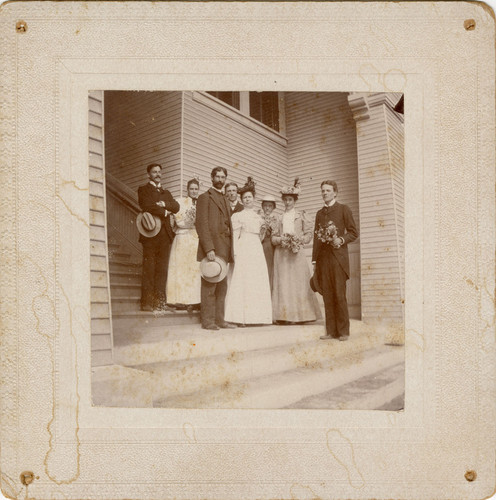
(441, 56)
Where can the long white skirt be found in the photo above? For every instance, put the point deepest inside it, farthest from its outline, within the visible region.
(248, 299)
(183, 279)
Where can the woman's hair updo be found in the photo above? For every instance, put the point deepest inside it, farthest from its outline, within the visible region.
(194, 180)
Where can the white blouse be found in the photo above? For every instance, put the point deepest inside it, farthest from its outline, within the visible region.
(288, 219)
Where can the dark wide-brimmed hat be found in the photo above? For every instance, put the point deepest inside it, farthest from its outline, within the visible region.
(213, 271)
(315, 284)
(148, 225)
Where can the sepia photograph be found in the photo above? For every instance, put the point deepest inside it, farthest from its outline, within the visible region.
(247, 249)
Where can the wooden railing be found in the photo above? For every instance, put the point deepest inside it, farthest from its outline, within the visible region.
(122, 209)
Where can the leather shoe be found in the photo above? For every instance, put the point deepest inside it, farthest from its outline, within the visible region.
(227, 325)
(147, 308)
(211, 327)
(164, 309)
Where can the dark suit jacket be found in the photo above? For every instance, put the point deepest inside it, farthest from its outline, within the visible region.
(148, 195)
(213, 225)
(237, 208)
(343, 219)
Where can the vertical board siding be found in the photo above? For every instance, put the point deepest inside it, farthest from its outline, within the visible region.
(101, 325)
(380, 160)
(214, 138)
(143, 128)
(322, 145)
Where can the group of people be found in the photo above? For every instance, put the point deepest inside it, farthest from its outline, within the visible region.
(240, 265)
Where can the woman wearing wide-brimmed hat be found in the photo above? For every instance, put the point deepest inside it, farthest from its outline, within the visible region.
(292, 298)
(248, 300)
(270, 223)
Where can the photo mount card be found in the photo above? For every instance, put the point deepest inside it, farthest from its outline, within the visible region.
(392, 101)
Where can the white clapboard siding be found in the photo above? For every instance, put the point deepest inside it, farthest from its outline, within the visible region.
(380, 160)
(101, 323)
(396, 134)
(322, 145)
(216, 136)
(143, 128)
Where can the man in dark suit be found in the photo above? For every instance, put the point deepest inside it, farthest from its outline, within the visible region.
(331, 260)
(231, 189)
(156, 200)
(213, 225)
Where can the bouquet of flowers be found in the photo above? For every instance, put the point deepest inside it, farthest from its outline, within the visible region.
(268, 226)
(190, 216)
(292, 242)
(326, 234)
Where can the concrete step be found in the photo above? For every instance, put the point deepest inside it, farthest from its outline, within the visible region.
(133, 327)
(281, 389)
(384, 390)
(159, 344)
(119, 386)
(234, 361)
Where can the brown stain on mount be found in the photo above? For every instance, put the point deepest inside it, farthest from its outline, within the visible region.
(44, 312)
(345, 457)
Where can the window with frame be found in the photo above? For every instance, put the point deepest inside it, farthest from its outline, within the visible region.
(264, 107)
(261, 106)
(231, 98)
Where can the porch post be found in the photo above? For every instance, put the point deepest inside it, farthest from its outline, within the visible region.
(380, 147)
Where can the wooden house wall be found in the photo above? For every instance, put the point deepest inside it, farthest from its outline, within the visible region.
(396, 141)
(143, 128)
(101, 319)
(322, 145)
(380, 156)
(217, 135)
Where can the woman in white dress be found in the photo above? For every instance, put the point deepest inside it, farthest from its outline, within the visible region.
(184, 279)
(248, 300)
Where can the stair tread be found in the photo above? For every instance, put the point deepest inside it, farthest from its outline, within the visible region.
(258, 367)
(150, 314)
(139, 337)
(347, 396)
(190, 367)
(124, 262)
(283, 388)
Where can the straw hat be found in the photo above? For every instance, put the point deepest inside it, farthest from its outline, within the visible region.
(213, 271)
(148, 225)
(269, 199)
